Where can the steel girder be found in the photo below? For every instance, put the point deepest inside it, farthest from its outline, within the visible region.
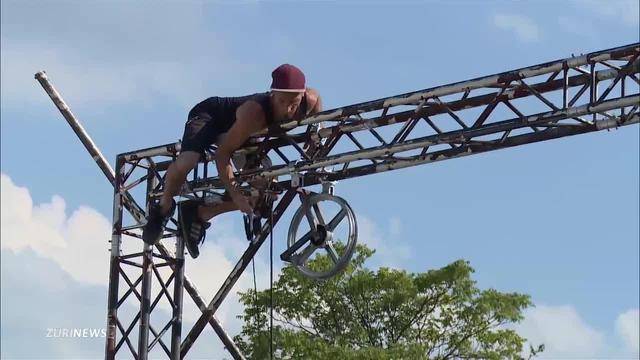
(537, 103)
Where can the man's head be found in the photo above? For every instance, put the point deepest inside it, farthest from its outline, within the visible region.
(287, 91)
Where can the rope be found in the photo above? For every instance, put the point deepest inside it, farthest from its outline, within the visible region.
(271, 282)
(255, 286)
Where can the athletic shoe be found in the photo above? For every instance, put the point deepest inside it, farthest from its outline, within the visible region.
(156, 221)
(252, 226)
(193, 229)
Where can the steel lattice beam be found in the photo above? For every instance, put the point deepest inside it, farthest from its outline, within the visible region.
(570, 83)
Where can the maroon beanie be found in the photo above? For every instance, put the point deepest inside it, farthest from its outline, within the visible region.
(289, 78)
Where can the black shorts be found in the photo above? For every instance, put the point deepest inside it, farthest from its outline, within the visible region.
(200, 132)
(203, 130)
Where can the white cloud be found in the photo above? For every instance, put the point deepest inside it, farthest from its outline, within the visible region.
(78, 244)
(391, 251)
(628, 327)
(524, 28)
(566, 335)
(46, 229)
(563, 332)
(36, 295)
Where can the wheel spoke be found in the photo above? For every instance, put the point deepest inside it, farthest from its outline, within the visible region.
(305, 254)
(313, 222)
(316, 209)
(336, 220)
(333, 254)
(306, 236)
(297, 245)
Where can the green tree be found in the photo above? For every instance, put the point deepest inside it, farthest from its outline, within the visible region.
(383, 314)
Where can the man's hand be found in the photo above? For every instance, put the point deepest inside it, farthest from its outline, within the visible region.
(249, 119)
(242, 202)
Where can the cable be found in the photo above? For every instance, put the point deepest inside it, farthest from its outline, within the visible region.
(255, 286)
(271, 282)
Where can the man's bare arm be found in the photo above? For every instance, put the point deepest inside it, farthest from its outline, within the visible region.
(249, 119)
(315, 99)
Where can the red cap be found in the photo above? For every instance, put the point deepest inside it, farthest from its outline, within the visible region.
(289, 78)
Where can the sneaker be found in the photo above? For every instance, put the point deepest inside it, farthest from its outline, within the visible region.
(193, 229)
(156, 221)
(264, 206)
(247, 227)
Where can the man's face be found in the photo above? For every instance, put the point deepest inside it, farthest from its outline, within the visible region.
(285, 104)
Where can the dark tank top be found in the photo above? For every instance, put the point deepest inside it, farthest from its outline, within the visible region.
(222, 110)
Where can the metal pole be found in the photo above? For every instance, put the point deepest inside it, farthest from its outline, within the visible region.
(76, 126)
(114, 267)
(176, 330)
(145, 300)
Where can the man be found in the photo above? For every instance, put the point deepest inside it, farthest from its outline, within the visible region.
(228, 121)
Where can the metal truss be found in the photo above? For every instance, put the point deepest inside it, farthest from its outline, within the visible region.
(576, 95)
(537, 103)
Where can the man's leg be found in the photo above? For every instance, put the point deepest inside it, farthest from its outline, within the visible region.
(195, 216)
(198, 132)
(159, 213)
(206, 213)
(194, 219)
(175, 177)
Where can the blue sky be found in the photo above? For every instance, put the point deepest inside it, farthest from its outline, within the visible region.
(557, 220)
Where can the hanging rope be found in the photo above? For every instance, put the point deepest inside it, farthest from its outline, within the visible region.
(249, 227)
(271, 281)
(255, 285)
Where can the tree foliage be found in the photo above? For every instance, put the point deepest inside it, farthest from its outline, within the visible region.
(383, 314)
